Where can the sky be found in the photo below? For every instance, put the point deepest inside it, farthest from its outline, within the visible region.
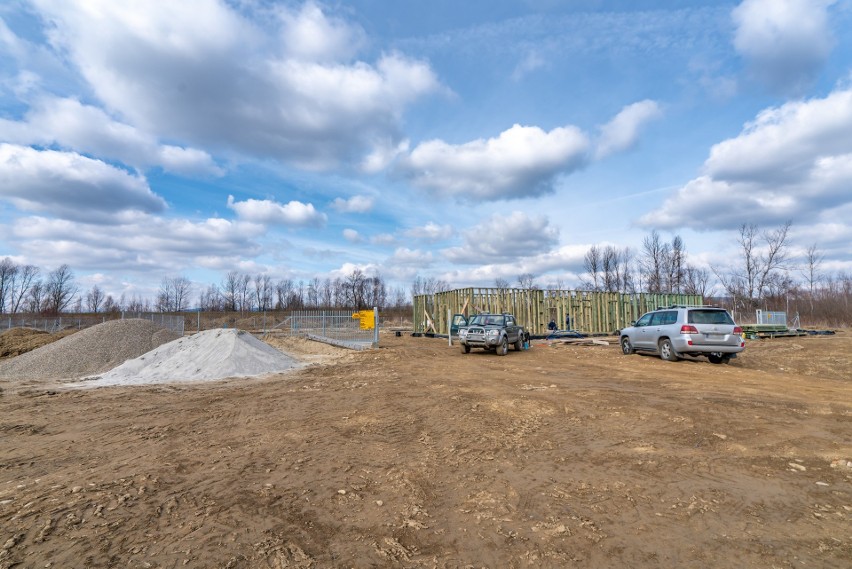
(462, 141)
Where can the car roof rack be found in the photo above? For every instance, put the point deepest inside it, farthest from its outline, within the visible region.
(689, 306)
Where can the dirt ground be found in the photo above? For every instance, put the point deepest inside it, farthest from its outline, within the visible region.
(415, 455)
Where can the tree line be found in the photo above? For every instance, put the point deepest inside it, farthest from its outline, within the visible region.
(24, 290)
(761, 274)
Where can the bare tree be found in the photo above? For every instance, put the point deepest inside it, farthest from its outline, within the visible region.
(263, 292)
(110, 305)
(59, 290)
(592, 263)
(23, 281)
(429, 285)
(94, 299)
(811, 272)
(763, 260)
(35, 297)
(8, 272)
(230, 290)
(211, 300)
(696, 281)
(173, 295)
(527, 281)
(353, 287)
(283, 291)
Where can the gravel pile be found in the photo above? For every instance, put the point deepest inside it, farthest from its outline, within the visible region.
(205, 356)
(94, 350)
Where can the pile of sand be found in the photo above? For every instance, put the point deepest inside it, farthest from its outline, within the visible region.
(89, 351)
(205, 356)
(19, 341)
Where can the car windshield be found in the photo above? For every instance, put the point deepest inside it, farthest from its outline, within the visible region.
(710, 317)
(487, 320)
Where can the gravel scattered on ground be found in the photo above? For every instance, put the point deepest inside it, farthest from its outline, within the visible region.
(90, 351)
(205, 356)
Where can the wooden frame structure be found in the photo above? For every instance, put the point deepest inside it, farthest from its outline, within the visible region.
(591, 312)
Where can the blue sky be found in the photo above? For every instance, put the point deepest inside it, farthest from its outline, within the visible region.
(466, 141)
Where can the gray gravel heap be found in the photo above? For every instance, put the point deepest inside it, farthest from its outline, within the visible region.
(90, 351)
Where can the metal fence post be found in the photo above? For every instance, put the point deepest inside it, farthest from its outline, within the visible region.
(375, 326)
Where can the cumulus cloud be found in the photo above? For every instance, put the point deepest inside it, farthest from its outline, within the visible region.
(622, 132)
(521, 162)
(355, 204)
(431, 232)
(146, 243)
(88, 129)
(202, 73)
(74, 187)
(516, 235)
(310, 34)
(785, 41)
(269, 212)
(406, 257)
(792, 162)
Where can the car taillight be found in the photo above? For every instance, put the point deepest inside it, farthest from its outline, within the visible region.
(688, 329)
(738, 330)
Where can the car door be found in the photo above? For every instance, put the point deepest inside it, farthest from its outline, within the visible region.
(640, 339)
(511, 329)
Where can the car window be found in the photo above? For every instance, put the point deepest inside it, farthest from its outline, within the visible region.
(495, 320)
(710, 317)
(664, 317)
(510, 321)
(645, 320)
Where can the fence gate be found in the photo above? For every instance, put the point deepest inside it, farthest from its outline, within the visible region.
(357, 330)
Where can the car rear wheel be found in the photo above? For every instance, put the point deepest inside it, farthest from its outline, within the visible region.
(667, 351)
(626, 346)
(519, 345)
(503, 348)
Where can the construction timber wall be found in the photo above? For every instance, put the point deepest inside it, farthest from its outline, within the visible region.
(591, 312)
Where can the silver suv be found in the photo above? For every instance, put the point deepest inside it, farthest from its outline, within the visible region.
(685, 330)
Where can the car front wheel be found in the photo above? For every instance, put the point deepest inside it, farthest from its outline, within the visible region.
(667, 351)
(503, 348)
(626, 346)
(465, 349)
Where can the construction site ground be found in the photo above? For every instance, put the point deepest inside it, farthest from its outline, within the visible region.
(416, 455)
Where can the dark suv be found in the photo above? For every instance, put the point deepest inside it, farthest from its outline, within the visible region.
(685, 330)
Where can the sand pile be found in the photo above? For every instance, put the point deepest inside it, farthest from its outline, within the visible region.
(89, 351)
(19, 341)
(208, 355)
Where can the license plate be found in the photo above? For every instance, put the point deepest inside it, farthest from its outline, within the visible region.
(714, 336)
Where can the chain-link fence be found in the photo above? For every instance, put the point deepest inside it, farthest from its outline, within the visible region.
(78, 322)
(351, 329)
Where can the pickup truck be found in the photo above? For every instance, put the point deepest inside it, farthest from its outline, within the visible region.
(492, 332)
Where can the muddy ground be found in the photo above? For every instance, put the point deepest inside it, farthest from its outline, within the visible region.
(414, 455)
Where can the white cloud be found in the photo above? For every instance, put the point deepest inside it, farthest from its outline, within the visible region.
(309, 34)
(406, 257)
(622, 132)
(504, 238)
(521, 162)
(792, 162)
(352, 236)
(355, 204)
(293, 213)
(201, 73)
(148, 243)
(786, 41)
(88, 129)
(71, 186)
(431, 232)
